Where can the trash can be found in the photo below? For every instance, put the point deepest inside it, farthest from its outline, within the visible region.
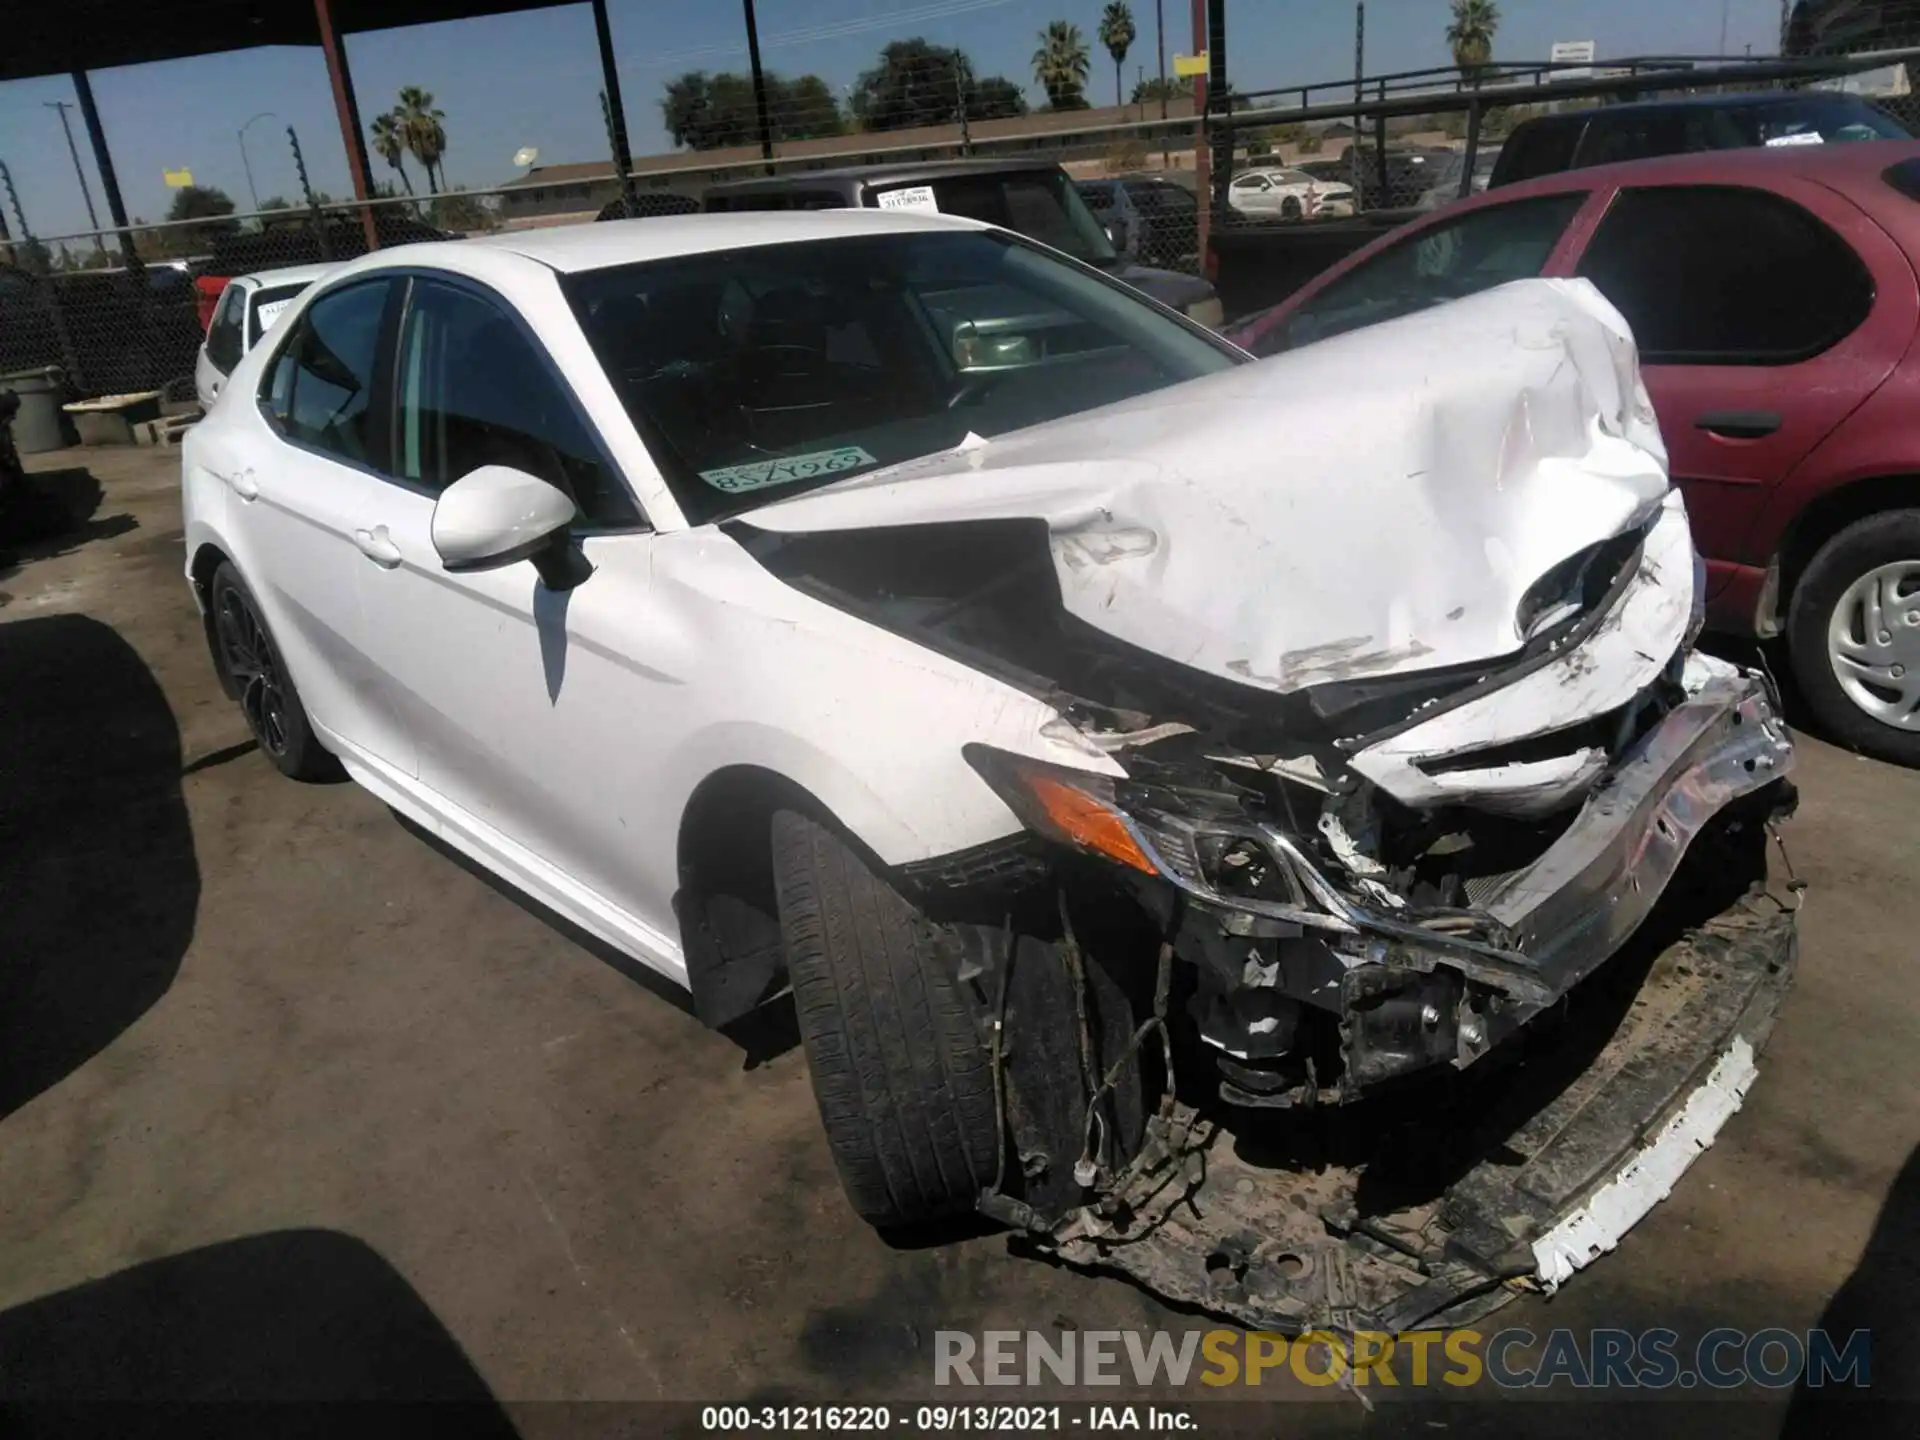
(38, 426)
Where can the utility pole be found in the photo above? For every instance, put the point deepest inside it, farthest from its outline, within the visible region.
(1359, 69)
(759, 87)
(1160, 44)
(1785, 24)
(13, 199)
(306, 189)
(960, 101)
(74, 150)
(247, 164)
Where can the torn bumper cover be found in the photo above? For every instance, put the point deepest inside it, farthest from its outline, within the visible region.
(1584, 1137)
(1282, 1240)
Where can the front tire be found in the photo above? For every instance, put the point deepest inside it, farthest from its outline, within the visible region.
(900, 1071)
(255, 675)
(1853, 632)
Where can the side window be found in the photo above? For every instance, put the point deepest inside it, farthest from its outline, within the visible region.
(321, 387)
(1461, 257)
(224, 336)
(476, 390)
(1720, 275)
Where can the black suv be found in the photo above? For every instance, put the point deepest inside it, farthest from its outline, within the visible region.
(1549, 144)
(1030, 198)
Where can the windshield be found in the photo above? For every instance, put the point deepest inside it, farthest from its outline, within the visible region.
(1817, 120)
(759, 373)
(1040, 204)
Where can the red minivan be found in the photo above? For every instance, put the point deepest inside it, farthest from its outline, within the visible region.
(1773, 296)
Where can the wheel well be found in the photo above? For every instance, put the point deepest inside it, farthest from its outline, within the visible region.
(729, 918)
(206, 560)
(1830, 513)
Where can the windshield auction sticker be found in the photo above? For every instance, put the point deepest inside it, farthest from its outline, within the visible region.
(908, 197)
(763, 474)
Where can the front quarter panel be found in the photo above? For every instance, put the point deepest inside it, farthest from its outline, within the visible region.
(869, 723)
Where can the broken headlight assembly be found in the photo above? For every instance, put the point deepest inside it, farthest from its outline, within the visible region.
(1214, 852)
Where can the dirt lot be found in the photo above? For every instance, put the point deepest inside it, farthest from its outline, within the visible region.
(294, 1104)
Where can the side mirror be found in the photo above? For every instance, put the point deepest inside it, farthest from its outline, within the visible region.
(992, 349)
(497, 516)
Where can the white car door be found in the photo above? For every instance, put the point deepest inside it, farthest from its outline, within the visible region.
(301, 468)
(1252, 194)
(531, 710)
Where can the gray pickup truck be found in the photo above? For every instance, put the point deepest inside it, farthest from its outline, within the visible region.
(1031, 198)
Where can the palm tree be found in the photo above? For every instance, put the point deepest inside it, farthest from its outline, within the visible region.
(426, 136)
(1117, 34)
(1470, 34)
(1061, 66)
(390, 143)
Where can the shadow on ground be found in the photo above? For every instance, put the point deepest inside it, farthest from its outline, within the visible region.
(765, 1033)
(100, 878)
(289, 1317)
(1882, 1297)
(49, 512)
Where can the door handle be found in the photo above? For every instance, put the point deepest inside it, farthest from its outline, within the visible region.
(378, 547)
(241, 482)
(1739, 424)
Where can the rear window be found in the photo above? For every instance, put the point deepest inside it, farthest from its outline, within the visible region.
(1040, 204)
(268, 304)
(1904, 177)
(1153, 199)
(1537, 147)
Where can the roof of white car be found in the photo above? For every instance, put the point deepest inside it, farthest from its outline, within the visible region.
(599, 244)
(290, 275)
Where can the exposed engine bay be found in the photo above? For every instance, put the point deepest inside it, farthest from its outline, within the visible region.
(1385, 762)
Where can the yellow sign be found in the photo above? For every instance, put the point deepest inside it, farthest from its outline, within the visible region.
(176, 179)
(1188, 66)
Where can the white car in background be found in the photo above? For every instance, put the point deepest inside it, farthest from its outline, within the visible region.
(246, 310)
(880, 602)
(1283, 193)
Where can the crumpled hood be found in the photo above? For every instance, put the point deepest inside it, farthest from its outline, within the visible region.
(1374, 503)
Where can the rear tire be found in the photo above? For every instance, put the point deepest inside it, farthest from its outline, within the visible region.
(254, 673)
(1824, 625)
(900, 1070)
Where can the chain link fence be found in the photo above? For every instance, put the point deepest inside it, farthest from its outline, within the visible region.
(1829, 28)
(126, 312)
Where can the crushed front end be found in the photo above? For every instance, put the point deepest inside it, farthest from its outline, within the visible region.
(1418, 862)
(1467, 979)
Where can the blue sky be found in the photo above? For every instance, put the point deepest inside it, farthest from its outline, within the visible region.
(532, 78)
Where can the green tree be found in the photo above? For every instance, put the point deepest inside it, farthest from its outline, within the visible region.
(915, 83)
(995, 98)
(425, 131)
(197, 202)
(390, 143)
(1154, 88)
(712, 112)
(1117, 34)
(1470, 34)
(1061, 66)
(456, 210)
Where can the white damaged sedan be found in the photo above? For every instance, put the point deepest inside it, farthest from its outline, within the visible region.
(1118, 747)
